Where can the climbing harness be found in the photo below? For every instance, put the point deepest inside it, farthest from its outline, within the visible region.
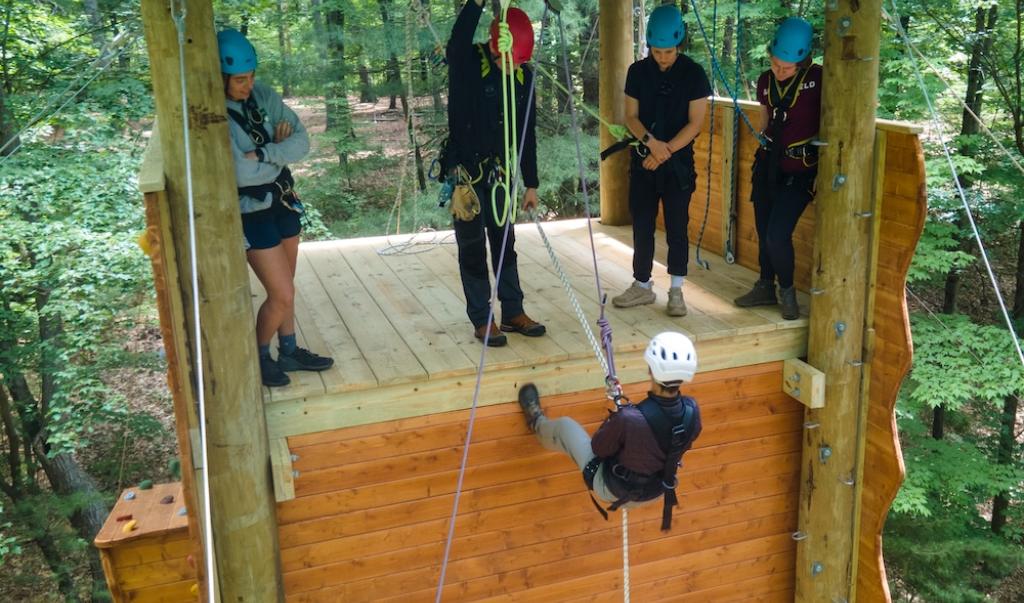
(252, 120)
(674, 437)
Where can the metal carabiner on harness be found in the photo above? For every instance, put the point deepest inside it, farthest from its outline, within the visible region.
(613, 389)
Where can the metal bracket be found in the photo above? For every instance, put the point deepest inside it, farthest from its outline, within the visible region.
(294, 457)
(840, 328)
(798, 536)
(864, 214)
(811, 425)
(845, 22)
(817, 567)
(824, 453)
(295, 473)
(838, 181)
(816, 291)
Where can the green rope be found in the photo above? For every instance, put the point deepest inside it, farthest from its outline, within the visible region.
(618, 131)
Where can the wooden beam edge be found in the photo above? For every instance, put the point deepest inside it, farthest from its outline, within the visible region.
(281, 467)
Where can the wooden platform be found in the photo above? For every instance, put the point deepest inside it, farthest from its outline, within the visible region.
(397, 327)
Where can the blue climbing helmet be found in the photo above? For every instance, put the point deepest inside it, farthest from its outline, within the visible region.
(792, 42)
(665, 27)
(237, 54)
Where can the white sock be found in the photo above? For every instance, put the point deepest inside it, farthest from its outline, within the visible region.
(677, 281)
(646, 284)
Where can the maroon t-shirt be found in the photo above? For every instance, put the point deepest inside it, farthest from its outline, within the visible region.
(803, 117)
(627, 435)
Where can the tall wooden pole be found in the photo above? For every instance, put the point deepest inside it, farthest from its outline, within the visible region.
(616, 40)
(242, 504)
(843, 225)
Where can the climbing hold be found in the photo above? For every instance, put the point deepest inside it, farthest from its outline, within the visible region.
(194, 590)
(146, 484)
(129, 495)
(182, 512)
(144, 244)
(167, 500)
(129, 526)
(191, 561)
(124, 517)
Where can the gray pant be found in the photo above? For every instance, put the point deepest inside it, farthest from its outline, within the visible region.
(565, 435)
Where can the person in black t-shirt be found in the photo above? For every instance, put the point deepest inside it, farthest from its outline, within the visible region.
(666, 99)
(476, 154)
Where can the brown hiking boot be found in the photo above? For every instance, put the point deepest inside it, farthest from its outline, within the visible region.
(523, 325)
(762, 294)
(496, 339)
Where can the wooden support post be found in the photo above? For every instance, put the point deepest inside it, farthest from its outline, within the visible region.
(616, 40)
(242, 502)
(843, 227)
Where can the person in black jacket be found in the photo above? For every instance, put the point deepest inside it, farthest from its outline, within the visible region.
(633, 456)
(476, 154)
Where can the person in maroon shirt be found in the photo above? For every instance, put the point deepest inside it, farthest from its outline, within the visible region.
(631, 459)
(786, 167)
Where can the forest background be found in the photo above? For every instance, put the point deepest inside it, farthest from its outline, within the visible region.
(84, 407)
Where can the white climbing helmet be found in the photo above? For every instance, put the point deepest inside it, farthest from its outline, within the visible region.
(671, 357)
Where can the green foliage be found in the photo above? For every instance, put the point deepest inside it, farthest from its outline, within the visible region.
(939, 545)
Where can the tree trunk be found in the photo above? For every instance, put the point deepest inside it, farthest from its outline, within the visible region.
(8, 135)
(285, 48)
(938, 422)
(394, 73)
(1018, 295)
(366, 94)
(92, 11)
(67, 478)
(338, 122)
(1005, 456)
(588, 62)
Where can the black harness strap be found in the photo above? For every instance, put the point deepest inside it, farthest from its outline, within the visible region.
(672, 438)
(767, 159)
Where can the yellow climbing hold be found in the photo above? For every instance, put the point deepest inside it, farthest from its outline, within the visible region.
(129, 526)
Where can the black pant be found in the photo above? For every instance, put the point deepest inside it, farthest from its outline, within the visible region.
(776, 214)
(673, 186)
(476, 283)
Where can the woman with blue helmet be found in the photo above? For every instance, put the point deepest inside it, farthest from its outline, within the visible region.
(265, 137)
(666, 100)
(784, 169)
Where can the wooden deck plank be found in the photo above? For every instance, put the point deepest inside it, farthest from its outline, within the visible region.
(387, 354)
(384, 279)
(534, 350)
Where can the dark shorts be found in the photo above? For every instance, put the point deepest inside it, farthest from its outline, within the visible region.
(265, 229)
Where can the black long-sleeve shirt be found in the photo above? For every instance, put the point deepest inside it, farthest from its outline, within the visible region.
(475, 117)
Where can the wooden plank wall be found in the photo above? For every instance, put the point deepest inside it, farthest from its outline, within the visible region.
(370, 516)
(903, 214)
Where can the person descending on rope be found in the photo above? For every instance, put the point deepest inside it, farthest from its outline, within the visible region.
(266, 136)
(634, 455)
(785, 169)
(475, 151)
(666, 98)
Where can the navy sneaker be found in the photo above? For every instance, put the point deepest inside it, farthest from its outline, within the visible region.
(304, 360)
(271, 373)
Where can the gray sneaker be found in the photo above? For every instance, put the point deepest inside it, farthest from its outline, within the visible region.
(790, 308)
(763, 294)
(529, 402)
(676, 306)
(636, 295)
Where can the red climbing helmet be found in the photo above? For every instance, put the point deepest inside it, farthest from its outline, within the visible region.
(522, 36)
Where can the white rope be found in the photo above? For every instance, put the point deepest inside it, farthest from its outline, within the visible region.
(573, 300)
(178, 12)
(105, 60)
(935, 71)
(937, 124)
(625, 555)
